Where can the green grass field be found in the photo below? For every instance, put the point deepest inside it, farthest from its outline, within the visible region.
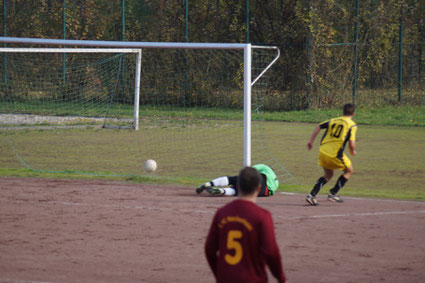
(390, 161)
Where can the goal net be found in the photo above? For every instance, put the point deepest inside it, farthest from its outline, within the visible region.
(76, 110)
(55, 87)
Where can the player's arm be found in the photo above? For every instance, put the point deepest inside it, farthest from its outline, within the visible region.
(352, 141)
(211, 246)
(270, 249)
(352, 147)
(313, 137)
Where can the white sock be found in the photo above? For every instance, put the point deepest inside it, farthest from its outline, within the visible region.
(220, 182)
(229, 191)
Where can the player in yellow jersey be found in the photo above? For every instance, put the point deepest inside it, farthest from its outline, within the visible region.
(338, 132)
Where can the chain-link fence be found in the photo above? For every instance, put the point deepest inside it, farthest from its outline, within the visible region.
(369, 52)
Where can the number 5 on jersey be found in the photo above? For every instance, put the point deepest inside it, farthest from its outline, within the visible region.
(233, 245)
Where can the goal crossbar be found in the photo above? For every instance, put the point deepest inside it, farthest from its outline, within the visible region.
(68, 50)
(122, 44)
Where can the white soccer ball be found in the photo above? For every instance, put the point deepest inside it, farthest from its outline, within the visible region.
(150, 165)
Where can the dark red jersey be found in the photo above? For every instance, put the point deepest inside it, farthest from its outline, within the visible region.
(241, 241)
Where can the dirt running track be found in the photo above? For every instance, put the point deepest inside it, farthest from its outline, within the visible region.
(94, 231)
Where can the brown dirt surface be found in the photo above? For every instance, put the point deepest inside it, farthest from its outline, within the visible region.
(96, 231)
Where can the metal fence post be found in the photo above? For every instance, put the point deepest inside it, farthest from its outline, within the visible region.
(64, 37)
(356, 39)
(309, 56)
(123, 57)
(247, 21)
(186, 37)
(4, 45)
(400, 56)
(186, 20)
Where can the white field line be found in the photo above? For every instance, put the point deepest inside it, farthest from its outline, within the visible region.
(8, 280)
(353, 214)
(360, 198)
(212, 211)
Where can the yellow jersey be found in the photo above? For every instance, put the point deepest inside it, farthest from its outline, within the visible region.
(338, 132)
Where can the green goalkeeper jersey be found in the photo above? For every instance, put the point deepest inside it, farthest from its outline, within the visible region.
(272, 182)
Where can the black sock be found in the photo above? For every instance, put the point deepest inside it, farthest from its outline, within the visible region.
(339, 184)
(319, 184)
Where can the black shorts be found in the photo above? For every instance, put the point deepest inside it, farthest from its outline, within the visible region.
(233, 182)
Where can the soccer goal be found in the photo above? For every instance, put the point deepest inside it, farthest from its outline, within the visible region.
(63, 87)
(195, 108)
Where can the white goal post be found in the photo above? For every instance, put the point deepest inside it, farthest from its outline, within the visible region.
(136, 47)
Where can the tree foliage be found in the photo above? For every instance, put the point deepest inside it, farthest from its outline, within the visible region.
(329, 24)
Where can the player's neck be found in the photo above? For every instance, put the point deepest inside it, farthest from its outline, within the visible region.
(251, 198)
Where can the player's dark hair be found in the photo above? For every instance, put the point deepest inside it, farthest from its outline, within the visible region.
(248, 181)
(348, 109)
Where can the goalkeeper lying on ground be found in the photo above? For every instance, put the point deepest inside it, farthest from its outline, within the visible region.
(227, 186)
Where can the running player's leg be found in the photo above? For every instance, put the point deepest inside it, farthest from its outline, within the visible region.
(327, 175)
(348, 171)
(327, 163)
(342, 180)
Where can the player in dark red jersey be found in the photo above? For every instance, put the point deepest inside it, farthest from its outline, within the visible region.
(241, 240)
